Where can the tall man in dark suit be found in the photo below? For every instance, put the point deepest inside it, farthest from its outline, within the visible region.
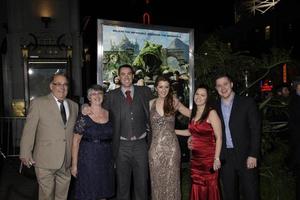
(294, 128)
(47, 139)
(129, 108)
(241, 144)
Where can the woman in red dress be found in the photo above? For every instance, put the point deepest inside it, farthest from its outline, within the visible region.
(206, 131)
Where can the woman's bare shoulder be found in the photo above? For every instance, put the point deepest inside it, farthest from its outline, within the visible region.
(151, 102)
(213, 115)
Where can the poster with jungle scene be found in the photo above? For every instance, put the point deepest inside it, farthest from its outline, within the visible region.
(151, 50)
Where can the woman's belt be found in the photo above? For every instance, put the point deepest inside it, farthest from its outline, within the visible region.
(97, 140)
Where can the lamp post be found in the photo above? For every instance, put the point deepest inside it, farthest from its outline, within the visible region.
(25, 52)
(246, 79)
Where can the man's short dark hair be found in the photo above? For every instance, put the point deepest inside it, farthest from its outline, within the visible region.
(126, 66)
(223, 75)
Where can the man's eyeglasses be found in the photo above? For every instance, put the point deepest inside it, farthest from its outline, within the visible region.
(61, 85)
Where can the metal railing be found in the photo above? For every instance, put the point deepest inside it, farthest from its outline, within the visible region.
(10, 135)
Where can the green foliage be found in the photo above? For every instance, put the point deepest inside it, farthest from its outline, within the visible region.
(274, 122)
(276, 179)
(270, 61)
(215, 56)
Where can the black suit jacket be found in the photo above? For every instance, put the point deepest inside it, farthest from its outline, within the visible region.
(245, 128)
(294, 128)
(113, 101)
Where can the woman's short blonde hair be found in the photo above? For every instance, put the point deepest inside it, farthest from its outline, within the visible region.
(97, 88)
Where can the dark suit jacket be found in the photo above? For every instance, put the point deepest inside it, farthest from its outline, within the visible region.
(294, 128)
(113, 101)
(245, 128)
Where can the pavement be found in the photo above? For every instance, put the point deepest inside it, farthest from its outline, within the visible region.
(16, 186)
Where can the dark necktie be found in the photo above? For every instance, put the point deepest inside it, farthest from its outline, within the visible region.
(62, 111)
(128, 96)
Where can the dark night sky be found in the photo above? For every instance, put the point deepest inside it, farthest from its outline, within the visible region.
(199, 14)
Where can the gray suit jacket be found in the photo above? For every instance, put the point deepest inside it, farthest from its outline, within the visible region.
(113, 102)
(45, 137)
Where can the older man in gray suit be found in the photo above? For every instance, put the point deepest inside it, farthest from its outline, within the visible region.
(129, 108)
(47, 138)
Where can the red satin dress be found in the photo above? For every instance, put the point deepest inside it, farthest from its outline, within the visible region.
(205, 185)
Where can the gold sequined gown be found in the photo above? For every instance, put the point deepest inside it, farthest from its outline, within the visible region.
(164, 158)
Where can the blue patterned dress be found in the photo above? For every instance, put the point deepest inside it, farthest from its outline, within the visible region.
(95, 177)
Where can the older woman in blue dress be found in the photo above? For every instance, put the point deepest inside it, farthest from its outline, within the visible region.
(92, 162)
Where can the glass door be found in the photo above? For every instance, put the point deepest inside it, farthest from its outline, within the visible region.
(39, 74)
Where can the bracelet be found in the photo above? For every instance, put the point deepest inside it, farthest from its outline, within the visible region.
(217, 159)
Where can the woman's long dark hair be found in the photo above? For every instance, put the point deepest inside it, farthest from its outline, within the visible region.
(168, 103)
(207, 107)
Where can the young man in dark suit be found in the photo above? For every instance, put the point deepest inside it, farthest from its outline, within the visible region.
(241, 142)
(129, 109)
(294, 128)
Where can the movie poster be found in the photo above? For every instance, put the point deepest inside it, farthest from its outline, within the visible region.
(151, 50)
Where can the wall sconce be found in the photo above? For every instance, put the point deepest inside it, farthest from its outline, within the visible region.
(24, 50)
(46, 21)
(69, 52)
(87, 55)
